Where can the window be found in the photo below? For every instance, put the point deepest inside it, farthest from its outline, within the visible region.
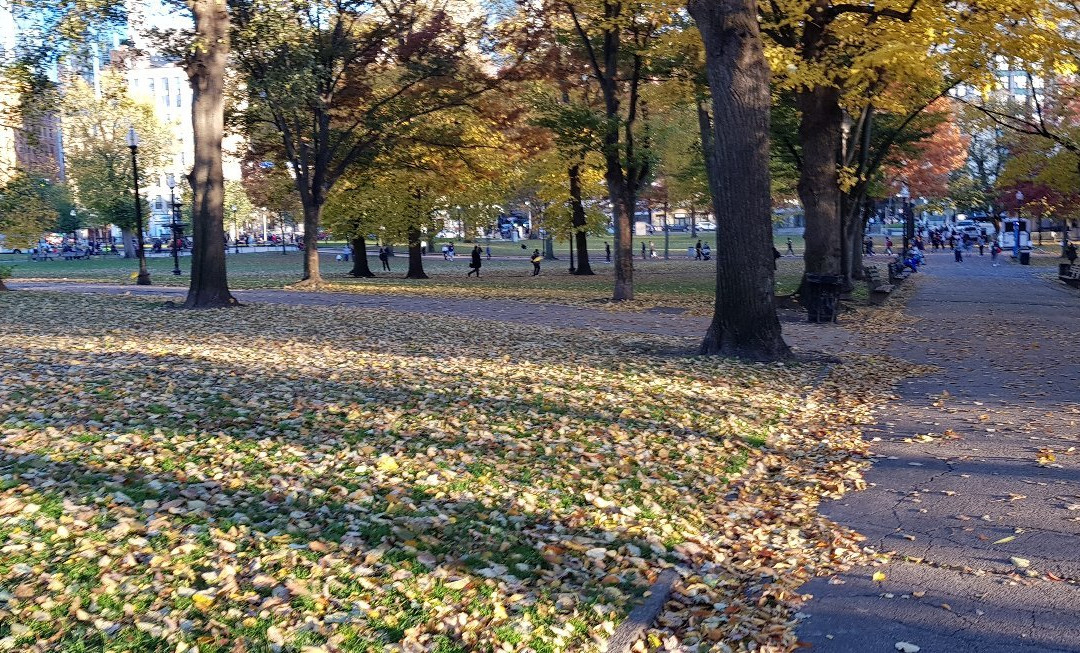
(166, 99)
(165, 85)
(150, 85)
(158, 203)
(178, 96)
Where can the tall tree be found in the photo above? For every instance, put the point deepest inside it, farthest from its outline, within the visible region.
(616, 37)
(744, 321)
(98, 161)
(338, 83)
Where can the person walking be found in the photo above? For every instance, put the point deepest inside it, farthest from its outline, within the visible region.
(607, 252)
(958, 251)
(790, 249)
(1070, 252)
(888, 246)
(450, 250)
(643, 250)
(652, 250)
(982, 245)
(697, 251)
(384, 258)
(488, 254)
(475, 263)
(536, 258)
(995, 249)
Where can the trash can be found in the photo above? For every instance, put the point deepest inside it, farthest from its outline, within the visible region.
(1025, 258)
(822, 296)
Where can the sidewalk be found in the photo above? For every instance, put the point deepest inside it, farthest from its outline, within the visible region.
(976, 488)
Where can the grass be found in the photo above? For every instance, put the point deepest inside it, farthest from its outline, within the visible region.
(677, 282)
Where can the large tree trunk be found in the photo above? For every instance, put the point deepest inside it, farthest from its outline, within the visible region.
(128, 238)
(744, 321)
(820, 130)
(206, 70)
(624, 230)
(416, 259)
(312, 219)
(577, 212)
(360, 263)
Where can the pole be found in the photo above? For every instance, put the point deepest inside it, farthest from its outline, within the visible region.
(144, 275)
(282, 218)
(667, 230)
(175, 226)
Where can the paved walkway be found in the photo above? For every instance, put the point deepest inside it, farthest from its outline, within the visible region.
(978, 489)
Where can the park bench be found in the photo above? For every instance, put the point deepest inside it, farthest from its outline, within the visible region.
(76, 255)
(878, 285)
(1070, 274)
(43, 256)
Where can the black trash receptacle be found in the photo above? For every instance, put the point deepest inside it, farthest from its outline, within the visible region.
(1025, 258)
(822, 297)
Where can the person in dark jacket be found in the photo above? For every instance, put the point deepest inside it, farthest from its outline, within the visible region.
(384, 257)
(475, 263)
(536, 259)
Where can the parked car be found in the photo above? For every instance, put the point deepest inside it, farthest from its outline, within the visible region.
(706, 226)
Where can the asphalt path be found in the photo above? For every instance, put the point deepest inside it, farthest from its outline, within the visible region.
(976, 484)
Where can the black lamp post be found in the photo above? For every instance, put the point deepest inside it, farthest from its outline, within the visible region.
(175, 225)
(236, 239)
(144, 275)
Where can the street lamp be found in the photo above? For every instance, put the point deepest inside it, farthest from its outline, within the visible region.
(143, 278)
(909, 218)
(236, 231)
(1016, 225)
(175, 225)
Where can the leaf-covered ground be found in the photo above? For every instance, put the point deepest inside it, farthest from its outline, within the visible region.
(319, 479)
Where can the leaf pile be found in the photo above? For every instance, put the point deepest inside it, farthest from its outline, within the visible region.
(325, 479)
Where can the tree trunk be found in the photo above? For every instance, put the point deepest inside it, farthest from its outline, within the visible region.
(820, 131)
(416, 259)
(206, 70)
(312, 218)
(127, 236)
(577, 211)
(693, 222)
(744, 322)
(360, 266)
(624, 231)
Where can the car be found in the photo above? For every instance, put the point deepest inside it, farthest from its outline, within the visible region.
(706, 226)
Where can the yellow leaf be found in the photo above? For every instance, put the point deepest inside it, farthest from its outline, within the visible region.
(879, 577)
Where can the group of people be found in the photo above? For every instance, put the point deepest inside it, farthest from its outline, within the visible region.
(702, 252)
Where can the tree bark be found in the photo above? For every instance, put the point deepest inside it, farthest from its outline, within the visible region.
(624, 229)
(736, 144)
(360, 263)
(126, 235)
(577, 220)
(206, 71)
(820, 130)
(312, 218)
(416, 259)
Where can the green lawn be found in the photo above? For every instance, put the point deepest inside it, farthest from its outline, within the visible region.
(678, 282)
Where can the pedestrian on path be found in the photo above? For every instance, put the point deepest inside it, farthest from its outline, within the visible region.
(995, 249)
(982, 245)
(790, 249)
(958, 251)
(607, 252)
(652, 250)
(536, 258)
(697, 251)
(475, 263)
(384, 257)
(488, 254)
(643, 250)
(888, 246)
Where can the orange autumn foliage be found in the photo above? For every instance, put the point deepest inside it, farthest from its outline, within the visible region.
(925, 167)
